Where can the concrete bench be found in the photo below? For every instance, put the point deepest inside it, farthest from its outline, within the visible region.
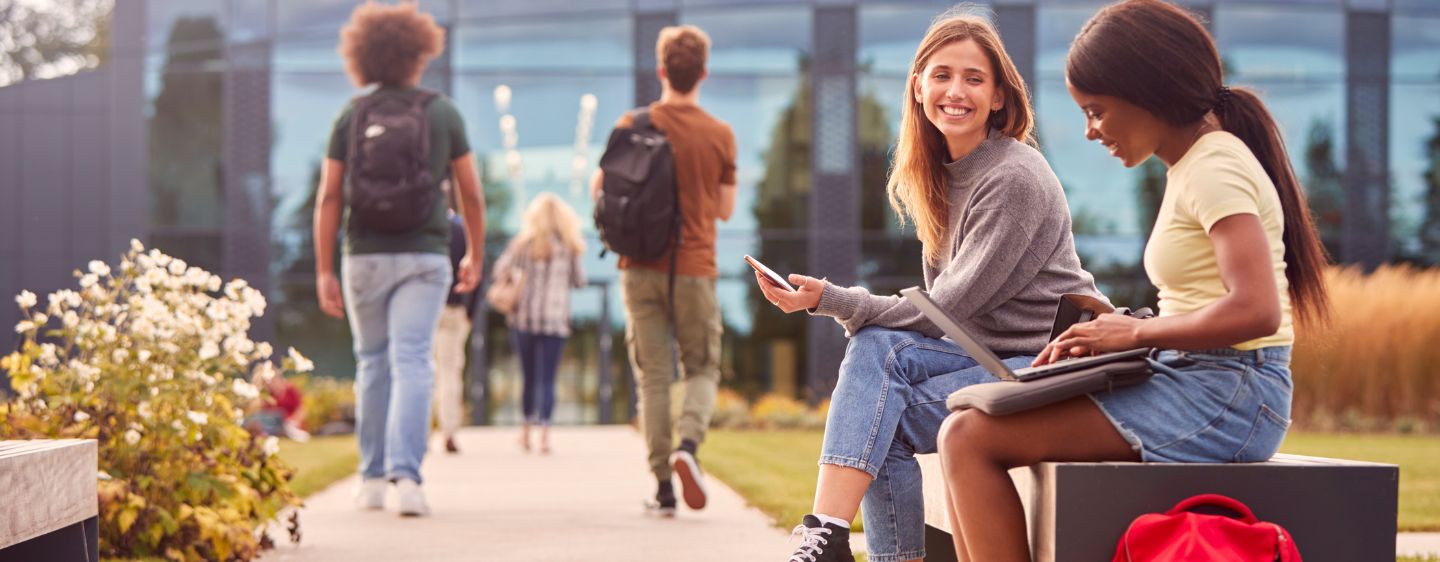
(48, 504)
(1337, 510)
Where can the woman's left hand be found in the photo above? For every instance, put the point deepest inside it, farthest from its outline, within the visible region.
(1107, 332)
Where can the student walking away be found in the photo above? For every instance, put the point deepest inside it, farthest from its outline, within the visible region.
(997, 255)
(546, 255)
(451, 339)
(669, 294)
(1234, 254)
(389, 150)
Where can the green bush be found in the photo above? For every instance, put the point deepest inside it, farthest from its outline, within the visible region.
(326, 399)
(774, 411)
(151, 360)
(731, 410)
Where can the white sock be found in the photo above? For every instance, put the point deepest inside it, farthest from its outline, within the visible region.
(832, 520)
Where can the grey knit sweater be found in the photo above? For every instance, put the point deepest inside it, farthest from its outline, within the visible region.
(1008, 257)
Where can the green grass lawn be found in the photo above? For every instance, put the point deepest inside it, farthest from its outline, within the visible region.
(319, 462)
(775, 470)
(1417, 455)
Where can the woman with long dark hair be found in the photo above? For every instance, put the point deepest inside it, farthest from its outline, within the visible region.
(1233, 252)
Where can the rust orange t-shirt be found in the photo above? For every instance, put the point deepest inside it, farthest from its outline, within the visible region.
(704, 160)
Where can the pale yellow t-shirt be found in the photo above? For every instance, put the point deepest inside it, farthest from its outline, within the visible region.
(1217, 178)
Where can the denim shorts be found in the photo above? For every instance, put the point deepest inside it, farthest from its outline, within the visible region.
(1217, 405)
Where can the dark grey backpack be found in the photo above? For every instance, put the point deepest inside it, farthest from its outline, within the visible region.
(638, 212)
(390, 188)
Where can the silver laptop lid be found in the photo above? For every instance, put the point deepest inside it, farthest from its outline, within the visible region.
(978, 352)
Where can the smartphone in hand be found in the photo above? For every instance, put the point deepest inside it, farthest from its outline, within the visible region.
(774, 278)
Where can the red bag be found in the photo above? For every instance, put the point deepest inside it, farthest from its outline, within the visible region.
(1179, 535)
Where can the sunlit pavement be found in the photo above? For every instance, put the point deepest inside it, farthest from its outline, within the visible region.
(495, 502)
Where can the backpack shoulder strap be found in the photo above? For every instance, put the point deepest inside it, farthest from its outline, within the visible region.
(359, 105)
(422, 97)
(641, 117)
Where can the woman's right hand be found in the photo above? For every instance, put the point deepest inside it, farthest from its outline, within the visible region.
(805, 296)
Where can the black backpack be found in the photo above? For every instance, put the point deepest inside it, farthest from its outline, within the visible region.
(390, 184)
(638, 212)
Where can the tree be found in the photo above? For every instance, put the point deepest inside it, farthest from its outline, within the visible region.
(782, 203)
(1430, 229)
(1324, 187)
(1149, 193)
(46, 40)
(186, 130)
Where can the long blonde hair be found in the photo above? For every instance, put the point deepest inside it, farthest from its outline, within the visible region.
(917, 185)
(547, 219)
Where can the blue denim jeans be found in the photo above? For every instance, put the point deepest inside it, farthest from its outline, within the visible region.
(539, 358)
(393, 302)
(1213, 405)
(887, 407)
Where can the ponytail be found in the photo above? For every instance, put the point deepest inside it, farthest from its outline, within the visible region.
(1159, 57)
(1242, 114)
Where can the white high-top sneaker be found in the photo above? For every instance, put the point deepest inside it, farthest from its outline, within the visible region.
(412, 499)
(371, 493)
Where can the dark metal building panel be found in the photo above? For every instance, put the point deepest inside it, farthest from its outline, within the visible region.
(647, 30)
(1366, 226)
(834, 224)
(129, 196)
(1017, 25)
(89, 182)
(45, 149)
(247, 200)
(11, 167)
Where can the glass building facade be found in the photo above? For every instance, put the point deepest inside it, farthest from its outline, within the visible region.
(239, 97)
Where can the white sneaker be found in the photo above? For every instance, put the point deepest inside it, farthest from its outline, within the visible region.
(371, 493)
(692, 481)
(412, 499)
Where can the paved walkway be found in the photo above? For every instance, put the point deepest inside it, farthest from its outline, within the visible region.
(495, 502)
(583, 502)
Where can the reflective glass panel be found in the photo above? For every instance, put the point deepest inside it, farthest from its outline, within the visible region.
(601, 43)
(327, 16)
(1415, 138)
(756, 39)
(1415, 48)
(1309, 46)
(184, 110)
(175, 23)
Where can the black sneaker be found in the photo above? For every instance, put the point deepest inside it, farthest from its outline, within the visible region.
(664, 503)
(821, 543)
(687, 468)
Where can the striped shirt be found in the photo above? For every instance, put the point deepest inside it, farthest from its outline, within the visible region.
(544, 304)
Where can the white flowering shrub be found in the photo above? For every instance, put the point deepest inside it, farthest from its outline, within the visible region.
(152, 360)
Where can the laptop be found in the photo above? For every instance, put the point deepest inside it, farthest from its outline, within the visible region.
(992, 362)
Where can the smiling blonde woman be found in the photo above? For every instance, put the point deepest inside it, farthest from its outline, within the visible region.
(998, 254)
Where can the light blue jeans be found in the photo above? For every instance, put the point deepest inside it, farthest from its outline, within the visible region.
(1212, 405)
(887, 407)
(393, 302)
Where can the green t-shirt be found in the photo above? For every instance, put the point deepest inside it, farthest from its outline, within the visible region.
(447, 142)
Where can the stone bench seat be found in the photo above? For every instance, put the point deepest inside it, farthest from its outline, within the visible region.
(1336, 510)
(48, 504)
